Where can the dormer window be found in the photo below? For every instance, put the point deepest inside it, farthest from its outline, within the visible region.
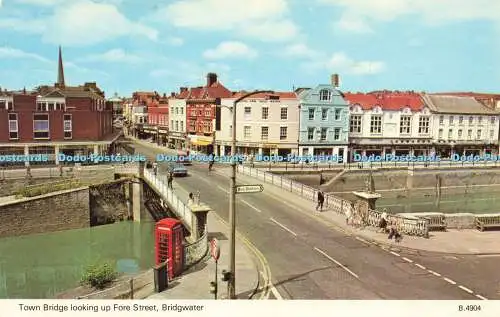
(325, 95)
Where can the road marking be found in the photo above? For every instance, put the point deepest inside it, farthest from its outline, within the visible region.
(362, 240)
(395, 253)
(488, 255)
(407, 260)
(223, 189)
(450, 281)
(275, 292)
(250, 205)
(336, 262)
(421, 266)
(283, 226)
(434, 273)
(481, 297)
(465, 289)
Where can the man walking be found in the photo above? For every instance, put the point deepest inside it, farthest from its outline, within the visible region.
(321, 200)
(170, 179)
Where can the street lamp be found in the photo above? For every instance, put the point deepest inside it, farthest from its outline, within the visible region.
(231, 285)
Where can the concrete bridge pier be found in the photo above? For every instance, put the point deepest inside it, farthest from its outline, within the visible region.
(199, 221)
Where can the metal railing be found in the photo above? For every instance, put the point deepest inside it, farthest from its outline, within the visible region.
(409, 225)
(181, 209)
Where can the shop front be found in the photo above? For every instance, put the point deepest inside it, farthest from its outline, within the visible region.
(163, 136)
(201, 144)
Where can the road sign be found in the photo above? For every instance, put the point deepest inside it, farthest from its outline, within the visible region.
(246, 189)
(214, 249)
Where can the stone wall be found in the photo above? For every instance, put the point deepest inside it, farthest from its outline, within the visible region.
(10, 186)
(108, 202)
(63, 210)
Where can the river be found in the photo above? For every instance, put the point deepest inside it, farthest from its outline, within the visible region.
(42, 265)
(477, 203)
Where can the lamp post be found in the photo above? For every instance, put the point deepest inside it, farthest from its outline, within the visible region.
(231, 286)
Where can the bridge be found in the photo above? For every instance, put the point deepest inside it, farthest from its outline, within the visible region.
(151, 193)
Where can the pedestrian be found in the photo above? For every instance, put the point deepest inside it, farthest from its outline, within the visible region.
(321, 200)
(170, 180)
(190, 201)
(155, 168)
(394, 233)
(382, 225)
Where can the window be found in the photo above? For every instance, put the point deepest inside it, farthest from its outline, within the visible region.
(182, 125)
(492, 119)
(283, 133)
(336, 134)
(441, 120)
(492, 134)
(181, 110)
(207, 113)
(265, 113)
(311, 113)
(460, 134)
(10, 106)
(68, 126)
(324, 114)
(451, 120)
(480, 120)
(59, 106)
(41, 126)
(423, 125)
(325, 95)
(41, 106)
(471, 120)
(450, 134)
(478, 135)
(440, 135)
(13, 126)
(355, 126)
(171, 124)
(176, 125)
(376, 124)
(264, 133)
(192, 126)
(248, 112)
(469, 135)
(461, 120)
(193, 113)
(284, 113)
(405, 125)
(172, 110)
(323, 134)
(310, 134)
(247, 132)
(337, 114)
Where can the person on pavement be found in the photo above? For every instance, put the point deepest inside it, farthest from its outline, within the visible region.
(321, 200)
(170, 180)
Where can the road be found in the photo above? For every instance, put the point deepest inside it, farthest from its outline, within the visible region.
(310, 260)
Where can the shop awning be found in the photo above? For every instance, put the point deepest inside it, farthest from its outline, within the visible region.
(201, 142)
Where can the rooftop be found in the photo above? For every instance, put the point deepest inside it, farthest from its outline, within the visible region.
(387, 100)
(456, 104)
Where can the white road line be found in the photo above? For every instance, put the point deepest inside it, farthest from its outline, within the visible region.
(250, 205)
(421, 266)
(465, 289)
(434, 273)
(362, 240)
(481, 297)
(223, 189)
(488, 255)
(283, 226)
(395, 253)
(450, 281)
(336, 262)
(407, 260)
(275, 292)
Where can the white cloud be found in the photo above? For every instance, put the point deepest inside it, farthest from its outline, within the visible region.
(353, 24)
(9, 52)
(430, 11)
(230, 50)
(300, 50)
(0, 3)
(176, 41)
(79, 23)
(114, 55)
(263, 19)
(343, 64)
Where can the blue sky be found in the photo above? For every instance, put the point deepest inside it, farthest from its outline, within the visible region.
(129, 45)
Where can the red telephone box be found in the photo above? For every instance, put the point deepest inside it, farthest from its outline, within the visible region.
(169, 238)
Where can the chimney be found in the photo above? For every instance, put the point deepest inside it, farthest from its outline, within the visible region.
(335, 80)
(183, 89)
(172, 94)
(211, 79)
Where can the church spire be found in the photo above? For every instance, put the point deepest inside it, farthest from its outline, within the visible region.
(60, 70)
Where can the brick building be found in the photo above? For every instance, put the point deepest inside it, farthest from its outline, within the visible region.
(55, 119)
(158, 119)
(200, 112)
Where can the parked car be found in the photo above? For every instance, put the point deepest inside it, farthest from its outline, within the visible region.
(177, 169)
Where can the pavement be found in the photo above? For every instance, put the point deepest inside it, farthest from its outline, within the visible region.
(311, 258)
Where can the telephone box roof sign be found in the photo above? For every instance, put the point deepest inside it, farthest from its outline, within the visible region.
(168, 222)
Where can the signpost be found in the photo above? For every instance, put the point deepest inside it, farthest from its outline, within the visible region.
(215, 253)
(247, 189)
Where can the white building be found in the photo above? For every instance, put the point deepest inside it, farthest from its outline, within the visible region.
(462, 125)
(397, 123)
(265, 124)
(177, 124)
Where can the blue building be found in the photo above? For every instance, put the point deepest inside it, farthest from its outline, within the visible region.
(323, 121)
